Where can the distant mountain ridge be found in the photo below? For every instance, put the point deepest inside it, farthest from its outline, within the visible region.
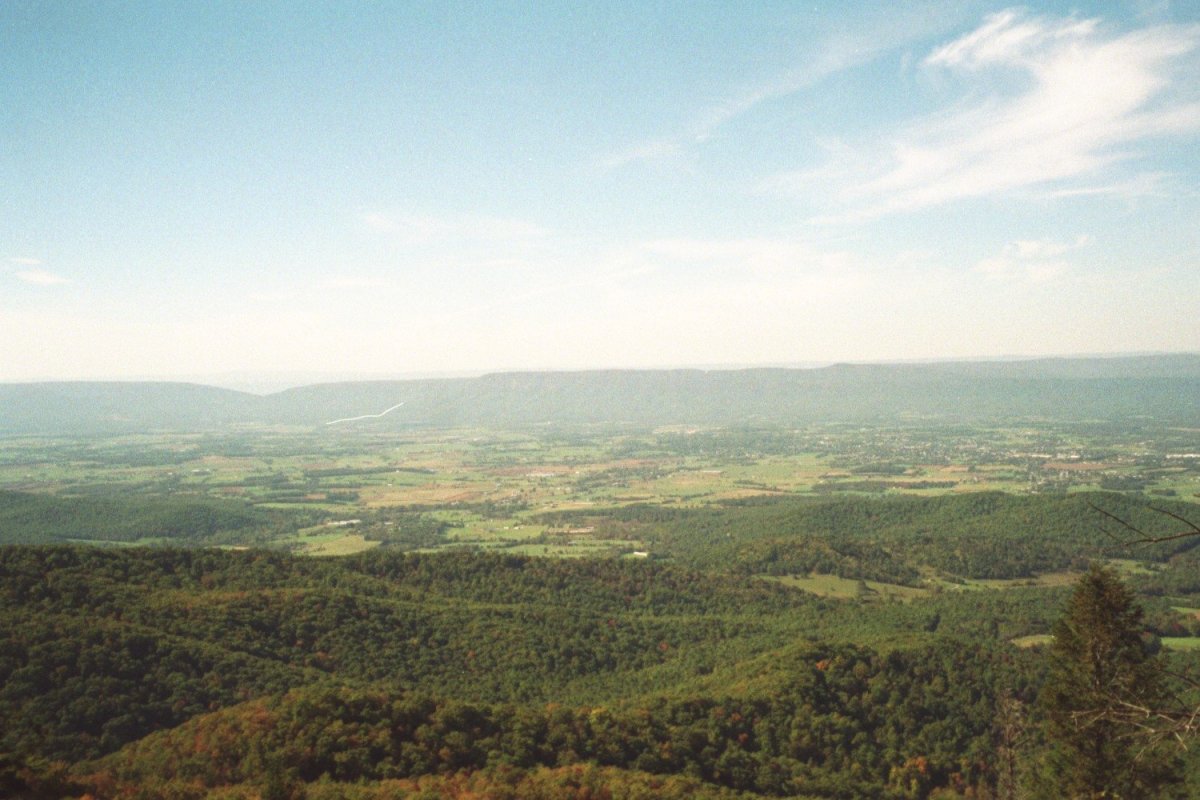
(1165, 388)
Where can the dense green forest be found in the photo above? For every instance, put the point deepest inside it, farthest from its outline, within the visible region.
(166, 672)
(32, 518)
(393, 667)
(976, 535)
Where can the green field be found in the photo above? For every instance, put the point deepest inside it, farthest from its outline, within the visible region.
(501, 489)
(662, 581)
(846, 588)
(1189, 643)
(1033, 640)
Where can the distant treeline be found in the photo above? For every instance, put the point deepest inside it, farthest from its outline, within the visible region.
(1163, 388)
(894, 539)
(891, 539)
(28, 518)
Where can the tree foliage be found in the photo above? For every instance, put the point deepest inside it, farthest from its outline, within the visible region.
(252, 665)
(1103, 676)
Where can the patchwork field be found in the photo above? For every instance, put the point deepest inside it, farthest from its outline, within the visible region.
(494, 489)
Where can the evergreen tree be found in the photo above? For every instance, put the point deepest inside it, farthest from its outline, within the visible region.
(1010, 733)
(1101, 671)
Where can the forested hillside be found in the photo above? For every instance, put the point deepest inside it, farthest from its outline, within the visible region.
(898, 539)
(163, 672)
(390, 668)
(1164, 388)
(27, 518)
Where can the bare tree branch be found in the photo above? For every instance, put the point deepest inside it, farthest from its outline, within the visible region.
(1145, 538)
(1175, 718)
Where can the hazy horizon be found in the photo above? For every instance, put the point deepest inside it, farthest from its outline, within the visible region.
(401, 189)
(269, 382)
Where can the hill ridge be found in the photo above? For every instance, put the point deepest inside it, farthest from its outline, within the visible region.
(1165, 387)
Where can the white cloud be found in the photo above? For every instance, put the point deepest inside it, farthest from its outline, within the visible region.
(1145, 184)
(414, 229)
(706, 125)
(653, 150)
(762, 256)
(1041, 249)
(831, 57)
(24, 261)
(40, 277)
(1084, 102)
(418, 229)
(349, 282)
(1031, 261)
(1004, 38)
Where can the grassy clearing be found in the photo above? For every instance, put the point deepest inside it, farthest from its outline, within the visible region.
(493, 531)
(341, 545)
(848, 588)
(1034, 640)
(1188, 643)
(1130, 566)
(555, 551)
(1045, 580)
(145, 541)
(336, 508)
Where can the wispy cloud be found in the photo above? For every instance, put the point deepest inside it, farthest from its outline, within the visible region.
(420, 229)
(835, 55)
(1031, 261)
(40, 277)
(652, 150)
(1065, 101)
(743, 256)
(710, 120)
(1005, 37)
(772, 270)
(25, 261)
(336, 282)
(1144, 184)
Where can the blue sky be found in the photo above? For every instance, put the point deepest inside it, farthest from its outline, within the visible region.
(200, 189)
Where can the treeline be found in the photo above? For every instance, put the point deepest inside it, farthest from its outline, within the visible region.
(27, 518)
(972, 535)
(403, 529)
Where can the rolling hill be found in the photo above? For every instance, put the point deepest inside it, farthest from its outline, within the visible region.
(1164, 388)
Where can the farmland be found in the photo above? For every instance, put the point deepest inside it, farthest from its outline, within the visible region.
(625, 595)
(498, 489)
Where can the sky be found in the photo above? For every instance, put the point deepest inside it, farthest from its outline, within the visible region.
(207, 189)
